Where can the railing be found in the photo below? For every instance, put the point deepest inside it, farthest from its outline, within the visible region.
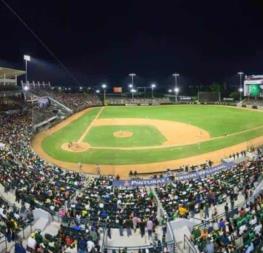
(189, 246)
(6, 247)
(172, 242)
(257, 191)
(157, 248)
(3, 244)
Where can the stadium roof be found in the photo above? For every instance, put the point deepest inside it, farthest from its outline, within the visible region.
(9, 72)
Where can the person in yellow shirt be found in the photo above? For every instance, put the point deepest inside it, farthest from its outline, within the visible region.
(182, 211)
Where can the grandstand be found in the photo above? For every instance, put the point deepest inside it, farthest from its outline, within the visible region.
(188, 211)
(44, 208)
(11, 96)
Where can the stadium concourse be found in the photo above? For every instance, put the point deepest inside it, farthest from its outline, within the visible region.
(44, 208)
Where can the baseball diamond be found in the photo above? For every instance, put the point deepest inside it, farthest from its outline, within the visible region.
(157, 137)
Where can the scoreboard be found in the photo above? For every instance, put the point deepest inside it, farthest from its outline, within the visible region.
(253, 86)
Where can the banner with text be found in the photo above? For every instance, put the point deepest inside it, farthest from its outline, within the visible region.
(165, 180)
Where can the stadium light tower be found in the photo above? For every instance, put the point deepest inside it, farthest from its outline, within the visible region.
(104, 87)
(153, 86)
(132, 75)
(27, 58)
(176, 90)
(132, 92)
(240, 93)
(240, 84)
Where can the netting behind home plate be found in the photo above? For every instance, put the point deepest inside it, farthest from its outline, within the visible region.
(45, 111)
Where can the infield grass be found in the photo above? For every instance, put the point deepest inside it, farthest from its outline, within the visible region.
(103, 136)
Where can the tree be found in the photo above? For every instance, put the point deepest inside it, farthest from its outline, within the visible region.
(234, 95)
(215, 87)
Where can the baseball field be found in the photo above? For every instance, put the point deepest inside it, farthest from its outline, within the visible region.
(119, 138)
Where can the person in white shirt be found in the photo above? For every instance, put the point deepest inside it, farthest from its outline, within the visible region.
(253, 221)
(90, 245)
(242, 229)
(258, 229)
(31, 243)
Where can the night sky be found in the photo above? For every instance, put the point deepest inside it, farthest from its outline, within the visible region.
(204, 41)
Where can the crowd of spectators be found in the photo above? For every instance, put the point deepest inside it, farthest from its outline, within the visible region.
(76, 100)
(125, 209)
(13, 219)
(87, 204)
(186, 198)
(239, 230)
(30, 178)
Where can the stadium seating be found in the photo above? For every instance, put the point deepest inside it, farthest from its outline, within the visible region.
(88, 207)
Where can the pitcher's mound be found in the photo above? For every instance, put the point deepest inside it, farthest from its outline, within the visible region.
(123, 134)
(75, 146)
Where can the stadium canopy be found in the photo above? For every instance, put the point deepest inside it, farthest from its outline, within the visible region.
(10, 73)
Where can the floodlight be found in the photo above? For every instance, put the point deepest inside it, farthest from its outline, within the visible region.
(104, 86)
(26, 88)
(176, 89)
(27, 57)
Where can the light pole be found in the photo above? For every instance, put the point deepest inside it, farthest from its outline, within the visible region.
(176, 91)
(27, 58)
(153, 86)
(240, 93)
(131, 87)
(132, 92)
(104, 86)
(176, 75)
(240, 85)
(25, 90)
(132, 75)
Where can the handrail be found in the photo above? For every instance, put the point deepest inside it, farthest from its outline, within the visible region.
(190, 244)
(4, 241)
(173, 236)
(252, 198)
(149, 246)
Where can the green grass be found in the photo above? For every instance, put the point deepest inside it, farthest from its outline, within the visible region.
(71, 132)
(102, 136)
(217, 120)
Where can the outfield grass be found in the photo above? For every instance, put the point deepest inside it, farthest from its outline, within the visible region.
(217, 120)
(102, 136)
